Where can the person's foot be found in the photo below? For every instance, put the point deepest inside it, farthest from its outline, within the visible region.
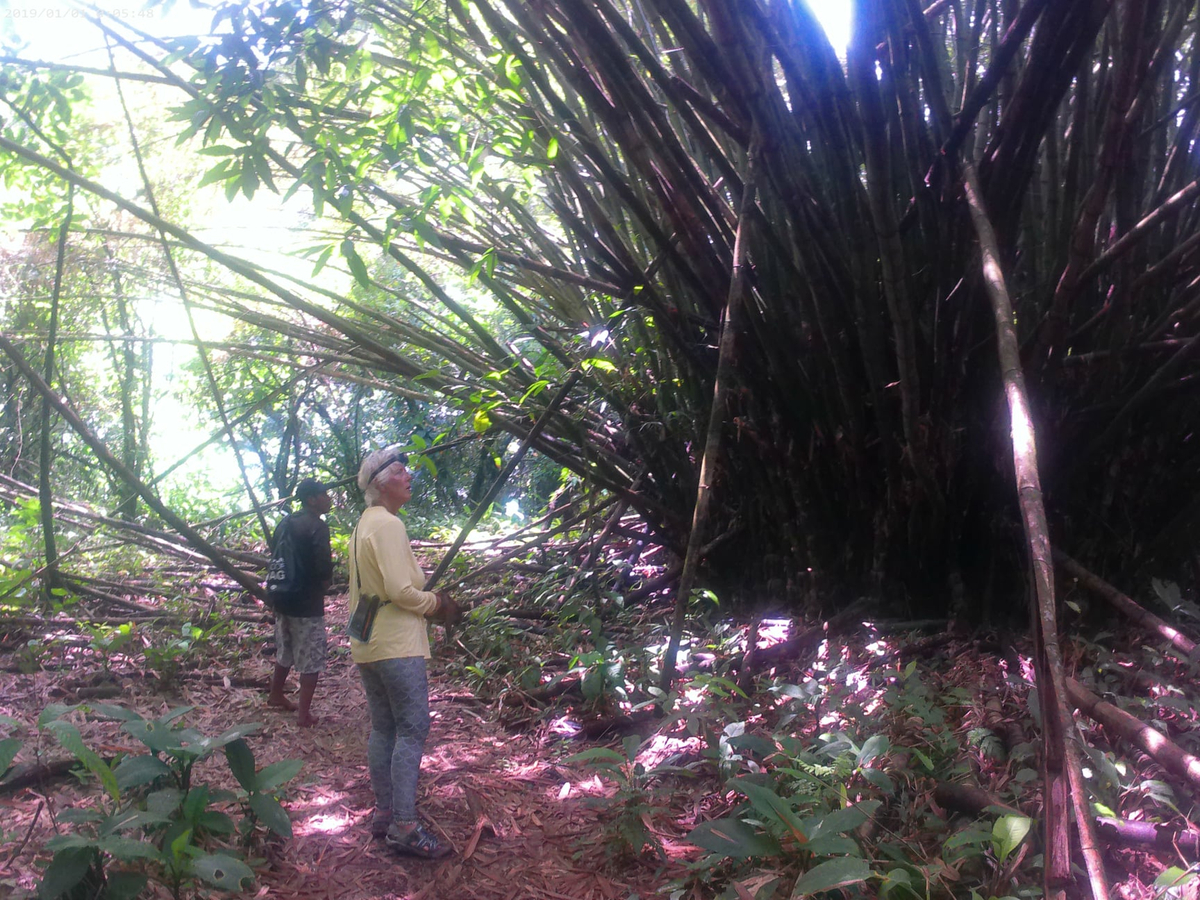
(278, 701)
(380, 823)
(307, 720)
(416, 840)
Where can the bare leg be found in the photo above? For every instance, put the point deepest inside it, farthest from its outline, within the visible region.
(276, 698)
(308, 684)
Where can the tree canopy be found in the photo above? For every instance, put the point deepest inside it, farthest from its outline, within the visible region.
(525, 191)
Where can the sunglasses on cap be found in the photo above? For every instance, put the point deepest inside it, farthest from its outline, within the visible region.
(401, 458)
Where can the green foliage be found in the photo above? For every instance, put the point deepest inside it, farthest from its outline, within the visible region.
(109, 640)
(154, 821)
(167, 654)
(632, 803)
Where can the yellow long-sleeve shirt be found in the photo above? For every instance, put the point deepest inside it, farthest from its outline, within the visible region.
(381, 555)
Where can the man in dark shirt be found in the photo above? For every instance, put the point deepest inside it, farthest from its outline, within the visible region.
(300, 613)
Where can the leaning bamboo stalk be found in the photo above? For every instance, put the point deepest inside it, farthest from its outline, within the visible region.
(185, 296)
(1138, 232)
(738, 288)
(501, 479)
(1051, 675)
(1134, 610)
(46, 451)
(1156, 745)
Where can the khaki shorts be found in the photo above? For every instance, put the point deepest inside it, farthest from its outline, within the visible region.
(300, 643)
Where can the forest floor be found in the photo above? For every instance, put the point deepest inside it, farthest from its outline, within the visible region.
(519, 821)
(527, 822)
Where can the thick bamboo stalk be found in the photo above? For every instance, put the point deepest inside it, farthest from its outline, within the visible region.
(46, 451)
(738, 289)
(1051, 675)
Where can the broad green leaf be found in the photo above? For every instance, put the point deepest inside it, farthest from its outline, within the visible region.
(595, 754)
(86, 815)
(897, 880)
(831, 845)
(233, 734)
(357, 267)
(967, 837)
(1007, 834)
(1174, 877)
(241, 763)
(734, 838)
(165, 801)
(134, 771)
(833, 873)
(278, 773)
(124, 885)
(768, 803)
(872, 749)
(158, 737)
(70, 738)
(322, 259)
(177, 713)
(69, 842)
(112, 711)
(842, 820)
(8, 752)
(224, 871)
(66, 870)
(127, 849)
(53, 712)
(181, 843)
(215, 822)
(195, 802)
(131, 818)
(271, 814)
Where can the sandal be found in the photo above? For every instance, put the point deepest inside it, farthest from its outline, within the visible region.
(418, 842)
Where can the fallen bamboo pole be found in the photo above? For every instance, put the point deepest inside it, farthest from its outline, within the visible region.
(1157, 746)
(1125, 604)
(975, 801)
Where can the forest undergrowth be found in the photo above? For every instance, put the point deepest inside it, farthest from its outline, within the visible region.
(793, 758)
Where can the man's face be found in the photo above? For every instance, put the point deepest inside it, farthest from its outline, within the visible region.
(320, 503)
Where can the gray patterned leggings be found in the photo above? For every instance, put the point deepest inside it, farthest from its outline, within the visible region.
(398, 699)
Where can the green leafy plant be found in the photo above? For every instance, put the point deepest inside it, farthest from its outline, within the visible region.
(632, 804)
(167, 653)
(152, 820)
(107, 641)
